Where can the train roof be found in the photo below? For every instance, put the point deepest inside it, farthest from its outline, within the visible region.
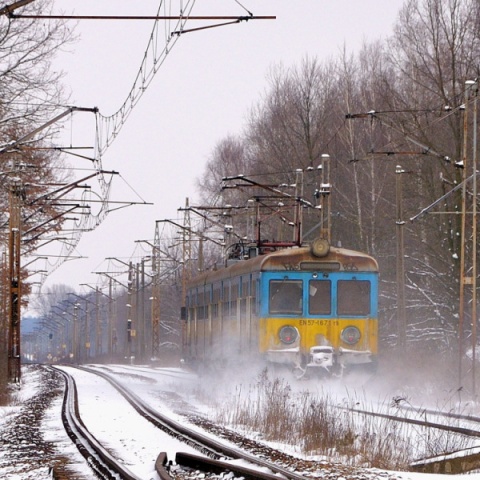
(293, 259)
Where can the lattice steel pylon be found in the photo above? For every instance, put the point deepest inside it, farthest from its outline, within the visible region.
(16, 195)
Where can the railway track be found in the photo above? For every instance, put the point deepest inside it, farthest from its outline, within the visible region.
(455, 462)
(216, 456)
(97, 456)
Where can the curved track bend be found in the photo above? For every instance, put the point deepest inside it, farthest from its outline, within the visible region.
(98, 458)
(214, 450)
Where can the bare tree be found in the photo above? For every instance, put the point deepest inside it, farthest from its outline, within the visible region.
(407, 94)
(31, 93)
(228, 158)
(434, 50)
(31, 88)
(291, 126)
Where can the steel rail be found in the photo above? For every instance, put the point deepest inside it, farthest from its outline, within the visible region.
(97, 457)
(209, 465)
(456, 462)
(205, 444)
(422, 423)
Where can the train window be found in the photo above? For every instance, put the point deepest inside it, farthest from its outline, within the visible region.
(320, 297)
(226, 299)
(243, 309)
(253, 294)
(215, 299)
(244, 288)
(201, 305)
(353, 297)
(285, 297)
(234, 291)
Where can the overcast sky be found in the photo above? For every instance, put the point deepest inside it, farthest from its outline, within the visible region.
(201, 93)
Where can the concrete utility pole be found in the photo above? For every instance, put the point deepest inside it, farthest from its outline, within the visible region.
(186, 272)
(98, 320)
(156, 277)
(112, 310)
(326, 199)
(131, 333)
(156, 294)
(401, 316)
(468, 260)
(131, 321)
(75, 348)
(140, 307)
(16, 196)
(98, 327)
(298, 212)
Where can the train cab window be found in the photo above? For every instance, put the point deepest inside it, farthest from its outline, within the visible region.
(320, 297)
(285, 297)
(353, 297)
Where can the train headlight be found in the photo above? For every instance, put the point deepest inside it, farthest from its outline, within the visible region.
(288, 334)
(320, 247)
(350, 335)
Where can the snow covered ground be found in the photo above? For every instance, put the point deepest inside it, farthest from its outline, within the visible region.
(114, 421)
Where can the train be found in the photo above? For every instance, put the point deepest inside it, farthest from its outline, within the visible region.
(310, 308)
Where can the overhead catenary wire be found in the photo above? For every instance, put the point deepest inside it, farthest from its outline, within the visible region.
(169, 24)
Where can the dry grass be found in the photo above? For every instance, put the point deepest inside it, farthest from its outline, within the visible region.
(318, 426)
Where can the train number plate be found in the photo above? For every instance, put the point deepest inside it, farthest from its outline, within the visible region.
(318, 323)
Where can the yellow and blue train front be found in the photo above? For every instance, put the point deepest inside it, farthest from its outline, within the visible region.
(318, 319)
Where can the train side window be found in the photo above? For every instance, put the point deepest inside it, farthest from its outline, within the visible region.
(285, 297)
(226, 299)
(320, 297)
(215, 299)
(253, 294)
(201, 305)
(234, 293)
(245, 291)
(353, 297)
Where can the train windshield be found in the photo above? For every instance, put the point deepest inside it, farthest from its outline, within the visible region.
(353, 297)
(285, 297)
(320, 297)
